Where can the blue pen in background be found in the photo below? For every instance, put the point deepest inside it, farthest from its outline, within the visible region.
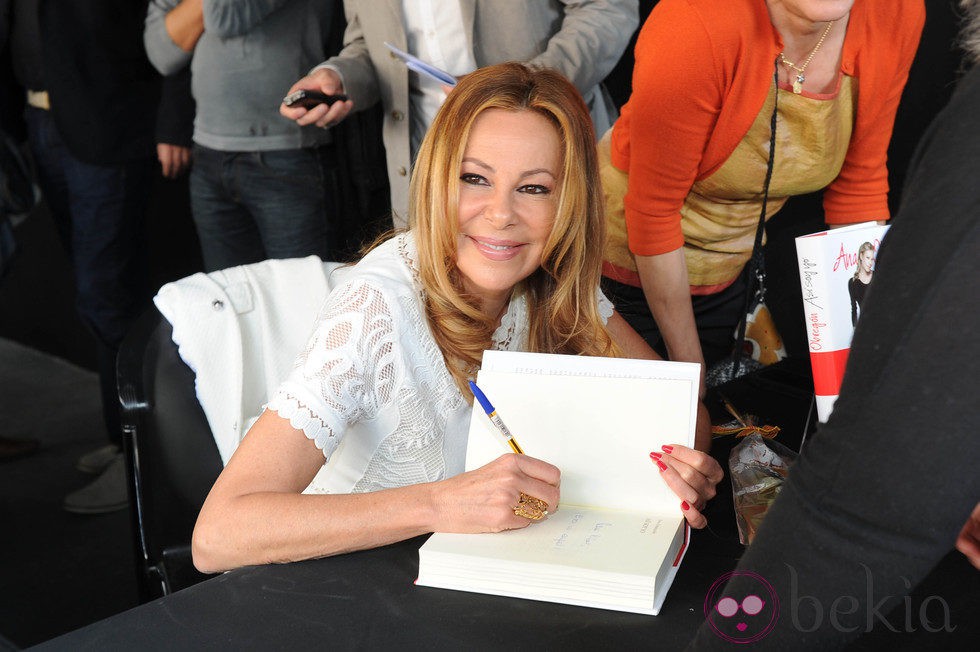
(495, 418)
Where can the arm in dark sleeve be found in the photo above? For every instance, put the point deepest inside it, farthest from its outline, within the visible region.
(4, 23)
(879, 495)
(175, 117)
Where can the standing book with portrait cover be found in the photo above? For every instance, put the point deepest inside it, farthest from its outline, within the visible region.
(836, 270)
(618, 535)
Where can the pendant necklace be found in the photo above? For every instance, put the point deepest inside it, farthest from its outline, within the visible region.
(798, 82)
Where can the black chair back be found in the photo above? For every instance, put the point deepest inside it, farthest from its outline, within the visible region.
(171, 456)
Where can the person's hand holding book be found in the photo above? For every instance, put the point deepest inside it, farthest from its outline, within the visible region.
(692, 475)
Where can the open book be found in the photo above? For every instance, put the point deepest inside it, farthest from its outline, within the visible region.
(618, 536)
(836, 269)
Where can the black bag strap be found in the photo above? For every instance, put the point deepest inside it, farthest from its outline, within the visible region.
(757, 262)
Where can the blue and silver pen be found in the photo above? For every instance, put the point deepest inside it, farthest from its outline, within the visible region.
(495, 418)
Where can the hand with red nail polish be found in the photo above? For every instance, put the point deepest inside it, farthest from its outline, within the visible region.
(692, 476)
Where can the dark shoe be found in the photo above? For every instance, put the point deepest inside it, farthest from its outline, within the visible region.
(108, 493)
(97, 460)
(11, 449)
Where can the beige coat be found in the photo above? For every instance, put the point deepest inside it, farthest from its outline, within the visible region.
(583, 39)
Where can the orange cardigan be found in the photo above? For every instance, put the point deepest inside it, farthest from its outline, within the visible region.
(703, 70)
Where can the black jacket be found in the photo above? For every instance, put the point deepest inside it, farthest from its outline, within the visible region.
(104, 92)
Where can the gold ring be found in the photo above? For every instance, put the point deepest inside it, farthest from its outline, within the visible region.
(530, 507)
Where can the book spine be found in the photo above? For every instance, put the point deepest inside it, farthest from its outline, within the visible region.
(828, 350)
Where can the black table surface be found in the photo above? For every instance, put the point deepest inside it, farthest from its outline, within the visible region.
(369, 600)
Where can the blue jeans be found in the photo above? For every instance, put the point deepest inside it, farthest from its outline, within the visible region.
(249, 206)
(99, 212)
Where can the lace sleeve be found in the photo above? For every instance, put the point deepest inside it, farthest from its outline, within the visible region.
(605, 306)
(347, 370)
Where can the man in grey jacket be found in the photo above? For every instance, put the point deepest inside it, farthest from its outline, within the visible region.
(258, 182)
(581, 38)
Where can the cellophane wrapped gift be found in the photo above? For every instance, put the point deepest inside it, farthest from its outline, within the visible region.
(758, 467)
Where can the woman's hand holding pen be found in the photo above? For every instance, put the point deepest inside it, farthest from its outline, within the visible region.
(692, 475)
(483, 500)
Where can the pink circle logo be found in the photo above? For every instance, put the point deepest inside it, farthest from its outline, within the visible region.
(744, 619)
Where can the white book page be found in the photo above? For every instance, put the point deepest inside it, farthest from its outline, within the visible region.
(581, 365)
(841, 230)
(606, 541)
(597, 428)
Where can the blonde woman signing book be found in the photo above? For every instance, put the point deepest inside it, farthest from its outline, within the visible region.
(502, 253)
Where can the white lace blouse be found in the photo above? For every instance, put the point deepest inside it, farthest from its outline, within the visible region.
(372, 389)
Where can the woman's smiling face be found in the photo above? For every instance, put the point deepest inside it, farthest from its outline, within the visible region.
(867, 260)
(508, 197)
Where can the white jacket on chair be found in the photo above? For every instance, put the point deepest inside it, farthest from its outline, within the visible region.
(240, 329)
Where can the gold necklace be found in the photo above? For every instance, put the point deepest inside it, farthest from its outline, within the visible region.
(798, 82)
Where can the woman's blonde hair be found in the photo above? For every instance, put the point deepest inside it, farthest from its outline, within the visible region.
(561, 294)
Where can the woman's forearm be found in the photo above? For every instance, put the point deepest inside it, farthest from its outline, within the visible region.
(185, 24)
(272, 527)
(256, 513)
(668, 294)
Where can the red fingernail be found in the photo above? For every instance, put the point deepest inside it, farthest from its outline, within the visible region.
(661, 466)
(668, 449)
(655, 456)
(685, 506)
